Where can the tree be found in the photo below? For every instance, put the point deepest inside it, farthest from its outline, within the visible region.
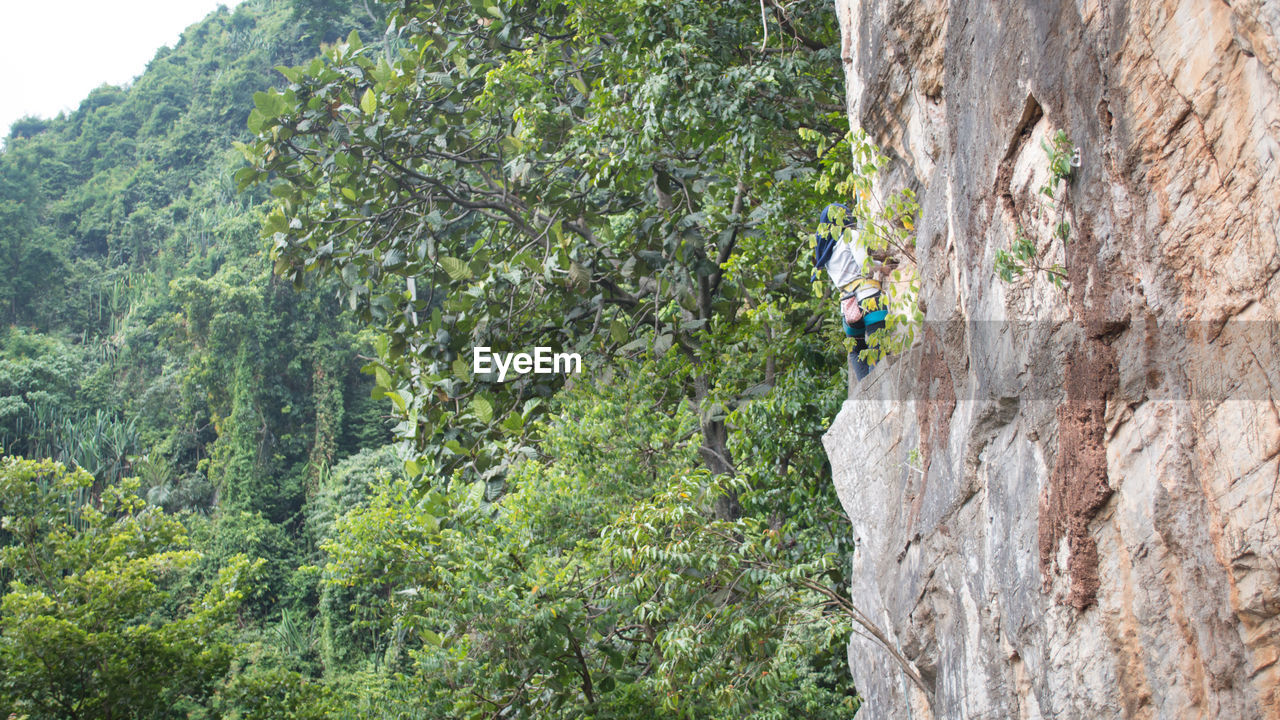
(324, 20)
(597, 176)
(91, 625)
(599, 586)
(23, 244)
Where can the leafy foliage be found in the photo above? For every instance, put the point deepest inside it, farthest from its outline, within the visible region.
(580, 175)
(632, 181)
(81, 632)
(612, 591)
(145, 336)
(155, 341)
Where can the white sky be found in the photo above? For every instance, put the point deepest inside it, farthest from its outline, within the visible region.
(55, 51)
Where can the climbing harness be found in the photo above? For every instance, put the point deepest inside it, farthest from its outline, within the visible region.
(856, 285)
(851, 306)
(869, 309)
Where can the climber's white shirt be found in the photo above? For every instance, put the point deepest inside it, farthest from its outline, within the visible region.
(845, 265)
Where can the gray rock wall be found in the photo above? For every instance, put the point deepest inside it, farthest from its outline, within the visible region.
(1065, 500)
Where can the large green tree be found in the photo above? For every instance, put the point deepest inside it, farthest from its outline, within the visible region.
(599, 586)
(593, 176)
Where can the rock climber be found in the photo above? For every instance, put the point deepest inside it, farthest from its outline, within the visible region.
(848, 263)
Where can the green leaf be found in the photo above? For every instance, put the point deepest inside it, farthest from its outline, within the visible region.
(256, 120)
(275, 223)
(270, 104)
(245, 177)
(457, 269)
(369, 102)
(482, 408)
(512, 424)
(293, 75)
(461, 369)
(618, 331)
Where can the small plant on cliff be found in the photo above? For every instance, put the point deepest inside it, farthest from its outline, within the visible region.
(914, 462)
(885, 225)
(1025, 255)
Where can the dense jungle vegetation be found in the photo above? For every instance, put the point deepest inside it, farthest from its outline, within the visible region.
(246, 469)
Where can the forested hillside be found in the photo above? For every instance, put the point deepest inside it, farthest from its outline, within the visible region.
(247, 470)
(144, 334)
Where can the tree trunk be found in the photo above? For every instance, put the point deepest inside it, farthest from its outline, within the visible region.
(715, 452)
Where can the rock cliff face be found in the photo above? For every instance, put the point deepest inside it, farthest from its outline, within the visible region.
(1065, 500)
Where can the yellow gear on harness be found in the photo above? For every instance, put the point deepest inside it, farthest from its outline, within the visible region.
(852, 287)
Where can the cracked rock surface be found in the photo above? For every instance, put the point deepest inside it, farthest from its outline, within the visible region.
(1065, 500)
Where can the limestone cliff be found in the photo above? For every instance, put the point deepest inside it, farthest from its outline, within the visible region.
(1065, 500)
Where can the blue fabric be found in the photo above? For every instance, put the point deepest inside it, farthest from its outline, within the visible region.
(875, 317)
(826, 241)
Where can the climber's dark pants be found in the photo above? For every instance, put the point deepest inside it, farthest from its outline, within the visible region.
(860, 331)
